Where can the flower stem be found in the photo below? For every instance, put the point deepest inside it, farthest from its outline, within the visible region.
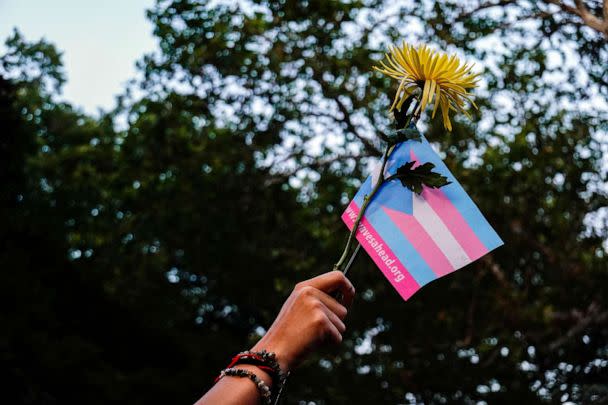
(366, 200)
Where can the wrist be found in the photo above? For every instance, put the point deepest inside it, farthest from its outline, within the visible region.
(269, 345)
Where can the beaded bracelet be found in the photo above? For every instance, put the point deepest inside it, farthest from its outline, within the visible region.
(266, 369)
(260, 385)
(264, 360)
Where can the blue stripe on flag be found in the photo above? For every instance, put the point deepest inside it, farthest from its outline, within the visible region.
(391, 195)
(366, 188)
(400, 245)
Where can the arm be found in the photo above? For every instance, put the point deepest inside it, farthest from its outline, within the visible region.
(309, 318)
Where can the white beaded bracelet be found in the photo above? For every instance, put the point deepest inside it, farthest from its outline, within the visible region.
(260, 385)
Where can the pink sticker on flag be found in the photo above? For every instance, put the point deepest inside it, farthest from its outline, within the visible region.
(381, 254)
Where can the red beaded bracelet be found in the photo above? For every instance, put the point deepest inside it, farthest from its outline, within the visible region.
(265, 361)
(260, 359)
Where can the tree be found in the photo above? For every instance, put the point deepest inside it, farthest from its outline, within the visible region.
(185, 228)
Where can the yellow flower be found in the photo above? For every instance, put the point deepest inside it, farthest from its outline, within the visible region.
(436, 74)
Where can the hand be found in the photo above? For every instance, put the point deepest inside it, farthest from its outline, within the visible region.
(309, 318)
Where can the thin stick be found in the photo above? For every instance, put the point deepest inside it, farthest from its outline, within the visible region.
(352, 259)
(366, 200)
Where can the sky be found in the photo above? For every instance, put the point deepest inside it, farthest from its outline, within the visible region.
(100, 40)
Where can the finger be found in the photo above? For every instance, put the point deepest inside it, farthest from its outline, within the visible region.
(335, 320)
(348, 296)
(332, 282)
(333, 334)
(330, 302)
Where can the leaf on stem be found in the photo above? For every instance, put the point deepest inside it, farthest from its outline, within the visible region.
(401, 115)
(415, 178)
(402, 135)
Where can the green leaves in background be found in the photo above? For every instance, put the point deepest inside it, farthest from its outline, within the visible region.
(148, 244)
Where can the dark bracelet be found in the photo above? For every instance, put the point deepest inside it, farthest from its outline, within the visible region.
(265, 359)
(267, 362)
(260, 385)
(262, 359)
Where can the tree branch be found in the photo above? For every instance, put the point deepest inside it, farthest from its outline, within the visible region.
(592, 316)
(315, 164)
(330, 93)
(590, 19)
(580, 10)
(496, 271)
(367, 144)
(467, 14)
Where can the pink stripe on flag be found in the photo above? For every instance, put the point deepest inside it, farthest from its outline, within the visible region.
(422, 242)
(452, 218)
(391, 267)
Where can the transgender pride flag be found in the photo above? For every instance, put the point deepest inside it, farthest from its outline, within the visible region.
(415, 239)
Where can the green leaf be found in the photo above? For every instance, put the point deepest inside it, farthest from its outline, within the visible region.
(401, 116)
(401, 135)
(415, 178)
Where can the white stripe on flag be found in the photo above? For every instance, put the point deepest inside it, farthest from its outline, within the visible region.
(439, 232)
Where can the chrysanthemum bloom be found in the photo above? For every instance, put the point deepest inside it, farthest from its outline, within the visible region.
(436, 74)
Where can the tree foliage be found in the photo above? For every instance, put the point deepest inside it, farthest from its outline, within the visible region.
(142, 248)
